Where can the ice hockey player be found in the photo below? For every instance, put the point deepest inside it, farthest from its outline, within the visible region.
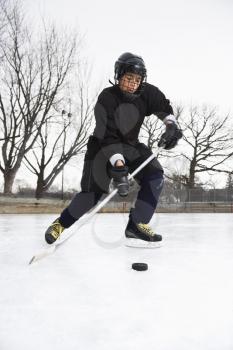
(114, 150)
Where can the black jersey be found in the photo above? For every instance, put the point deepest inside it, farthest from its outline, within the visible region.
(119, 119)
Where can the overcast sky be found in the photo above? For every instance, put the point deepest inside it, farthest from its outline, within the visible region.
(187, 45)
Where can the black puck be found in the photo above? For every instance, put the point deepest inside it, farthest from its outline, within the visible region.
(139, 266)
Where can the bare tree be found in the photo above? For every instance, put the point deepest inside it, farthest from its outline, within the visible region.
(229, 182)
(3, 22)
(208, 138)
(33, 74)
(52, 154)
(152, 128)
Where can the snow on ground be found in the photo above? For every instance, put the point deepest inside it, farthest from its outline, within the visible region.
(87, 297)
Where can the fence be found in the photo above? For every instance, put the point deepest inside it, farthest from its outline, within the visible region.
(173, 200)
(197, 195)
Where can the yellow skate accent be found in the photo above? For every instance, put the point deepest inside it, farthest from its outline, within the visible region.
(146, 229)
(56, 229)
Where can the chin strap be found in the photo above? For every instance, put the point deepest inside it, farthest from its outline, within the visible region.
(111, 82)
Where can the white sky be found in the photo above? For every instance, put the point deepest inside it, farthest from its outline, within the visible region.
(187, 45)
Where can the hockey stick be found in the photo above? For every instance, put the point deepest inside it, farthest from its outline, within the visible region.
(83, 220)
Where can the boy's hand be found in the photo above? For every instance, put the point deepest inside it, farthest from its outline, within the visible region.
(171, 136)
(119, 163)
(119, 174)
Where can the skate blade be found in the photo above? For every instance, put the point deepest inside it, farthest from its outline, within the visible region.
(139, 243)
(42, 254)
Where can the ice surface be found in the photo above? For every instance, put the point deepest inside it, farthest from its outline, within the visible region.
(87, 297)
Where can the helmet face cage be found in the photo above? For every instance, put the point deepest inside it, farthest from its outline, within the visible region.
(129, 63)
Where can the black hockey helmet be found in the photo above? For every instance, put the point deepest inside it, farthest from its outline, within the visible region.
(128, 62)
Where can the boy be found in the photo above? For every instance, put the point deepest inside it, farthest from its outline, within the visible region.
(113, 151)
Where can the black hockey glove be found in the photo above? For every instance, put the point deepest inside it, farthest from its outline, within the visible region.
(120, 179)
(170, 137)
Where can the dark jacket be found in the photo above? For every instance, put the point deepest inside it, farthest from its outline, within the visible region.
(119, 119)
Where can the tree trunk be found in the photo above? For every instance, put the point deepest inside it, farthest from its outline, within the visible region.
(191, 180)
(9, 177)
(40, 187)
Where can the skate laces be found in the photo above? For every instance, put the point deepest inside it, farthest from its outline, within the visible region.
(57, 229)
(146, 229)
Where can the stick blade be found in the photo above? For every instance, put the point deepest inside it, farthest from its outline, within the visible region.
(42, 254)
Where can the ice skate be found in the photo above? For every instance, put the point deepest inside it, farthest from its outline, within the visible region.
(53, 232)
(141, 236)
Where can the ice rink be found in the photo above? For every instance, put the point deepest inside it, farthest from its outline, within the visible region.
(87, 297)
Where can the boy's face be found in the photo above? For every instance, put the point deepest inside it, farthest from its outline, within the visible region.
(130, 82)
